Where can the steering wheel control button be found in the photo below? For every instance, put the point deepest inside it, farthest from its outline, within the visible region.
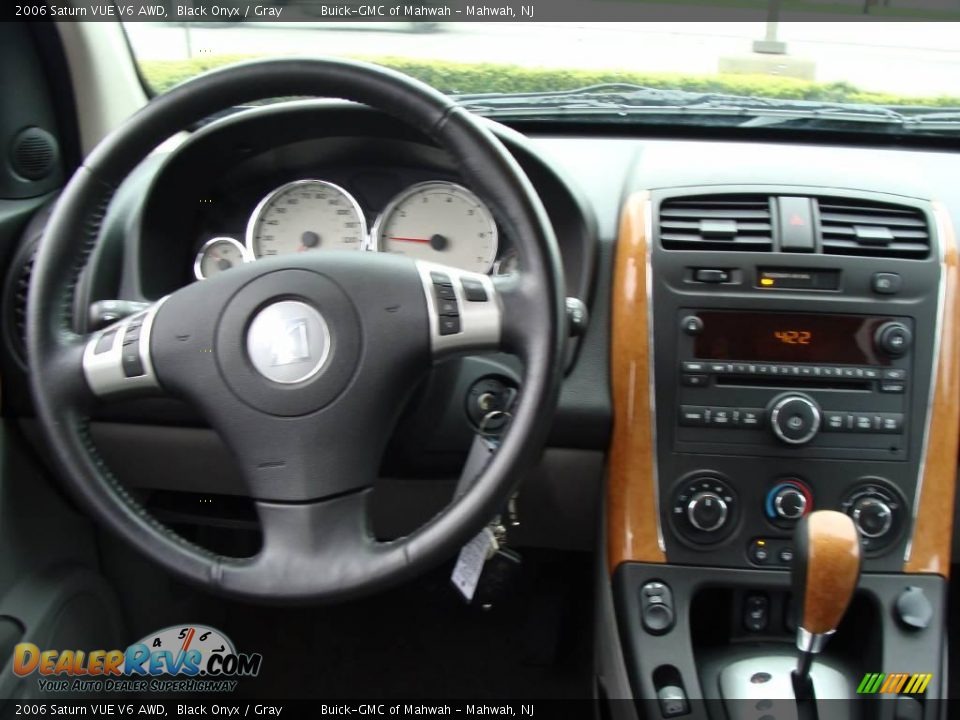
(464, 308)
(794, 419)
(893, 339)
(703, 510)
(691, 325)
(656, 607)
(884, 283)
(288, 342)
(116, 360)
(473, 291)
(105, 342)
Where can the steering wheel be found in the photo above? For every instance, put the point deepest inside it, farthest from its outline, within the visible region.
(302, 362)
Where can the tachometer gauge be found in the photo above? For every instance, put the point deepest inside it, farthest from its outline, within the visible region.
(306, 215)
(218, 254)
(441, 222)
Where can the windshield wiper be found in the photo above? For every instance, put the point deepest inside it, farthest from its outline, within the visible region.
(627, 100)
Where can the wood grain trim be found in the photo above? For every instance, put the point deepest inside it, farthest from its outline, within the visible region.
(633, 532)
(833, 568)
(933, 527)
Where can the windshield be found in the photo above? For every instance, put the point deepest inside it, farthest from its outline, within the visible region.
(869, 76)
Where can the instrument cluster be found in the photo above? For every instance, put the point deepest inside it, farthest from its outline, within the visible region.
(436, 220)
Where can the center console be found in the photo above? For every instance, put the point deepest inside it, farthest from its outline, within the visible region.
(790, 349)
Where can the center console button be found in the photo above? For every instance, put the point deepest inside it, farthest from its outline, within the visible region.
(692, 325)
(694, 380)
(795, 419)
(834, 421)
(721, 416)
(750, 418)
(693, 416)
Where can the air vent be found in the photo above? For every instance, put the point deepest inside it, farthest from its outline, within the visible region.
(716, 222)
(862, 227)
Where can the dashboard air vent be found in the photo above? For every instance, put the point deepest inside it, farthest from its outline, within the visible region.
(862, 227)
(717, 222)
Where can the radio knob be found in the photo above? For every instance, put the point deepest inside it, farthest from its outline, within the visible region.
(872, 516)
(707, 511)
(893, 339)
(794, 419)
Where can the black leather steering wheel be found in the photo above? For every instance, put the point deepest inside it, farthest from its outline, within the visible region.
(302, 362)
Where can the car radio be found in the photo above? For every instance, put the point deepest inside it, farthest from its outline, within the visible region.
(821, 381)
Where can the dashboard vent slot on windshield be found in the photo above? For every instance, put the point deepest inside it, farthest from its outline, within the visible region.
(717, 222)
(862, 227)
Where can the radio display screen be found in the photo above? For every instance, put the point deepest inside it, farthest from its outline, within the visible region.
(788, 337)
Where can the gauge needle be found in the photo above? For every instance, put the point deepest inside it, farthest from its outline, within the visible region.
(425, 241)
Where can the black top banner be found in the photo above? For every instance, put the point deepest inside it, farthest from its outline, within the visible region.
(459, 11)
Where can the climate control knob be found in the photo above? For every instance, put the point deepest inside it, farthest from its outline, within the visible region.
(794, 419)
(707, 511)
(789, 503)
(872, 516)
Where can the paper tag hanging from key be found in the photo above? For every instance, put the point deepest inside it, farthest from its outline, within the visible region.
(470, 562)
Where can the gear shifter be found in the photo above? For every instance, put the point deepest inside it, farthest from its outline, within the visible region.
(826, 567)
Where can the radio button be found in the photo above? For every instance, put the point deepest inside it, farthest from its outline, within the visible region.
(741, 368)
(871, 373)
(765, 369)
(895, 374)
(853, 372)
(694, 367)
(835, 421)
(751, 418)
(692, 325)
(693, 416)
(885, 283)
(862, 422)
(807, 371)
(721, 416)
(890, 423)
(892, 386)
(721, 367)
(691, 380)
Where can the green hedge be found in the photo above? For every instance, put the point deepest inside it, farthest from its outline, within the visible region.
(464, 78)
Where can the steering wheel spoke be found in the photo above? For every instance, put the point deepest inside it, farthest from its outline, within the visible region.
(117, 359)
(464, 308)
(300, 540)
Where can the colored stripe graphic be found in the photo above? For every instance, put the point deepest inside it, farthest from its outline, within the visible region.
(894, 683)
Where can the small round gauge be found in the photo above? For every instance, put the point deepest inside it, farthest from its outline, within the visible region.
(218, 254)
(441, 222)
(306, 215)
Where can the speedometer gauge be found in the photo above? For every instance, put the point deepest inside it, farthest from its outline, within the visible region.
(441, 222)
(306, 215)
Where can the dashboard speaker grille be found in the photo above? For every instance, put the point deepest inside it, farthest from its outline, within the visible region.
(862, 227)
(716, 222)
(33, 153)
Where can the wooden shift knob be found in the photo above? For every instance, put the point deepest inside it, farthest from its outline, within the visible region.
(826, 567)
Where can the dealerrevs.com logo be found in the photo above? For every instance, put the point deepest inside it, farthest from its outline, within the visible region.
(191, 658)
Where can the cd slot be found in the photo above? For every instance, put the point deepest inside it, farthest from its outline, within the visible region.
(822, 383)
